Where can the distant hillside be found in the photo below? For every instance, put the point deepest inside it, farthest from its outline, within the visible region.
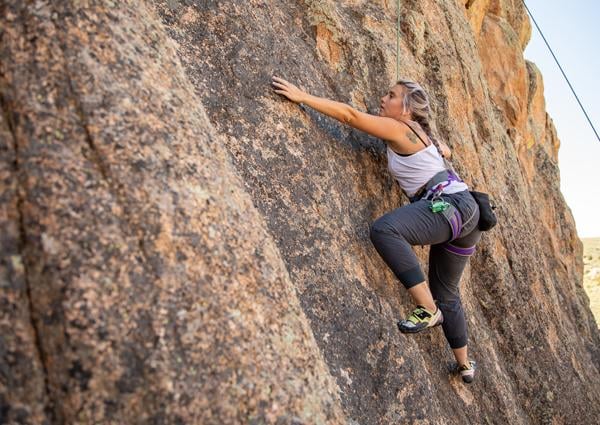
(591, 274)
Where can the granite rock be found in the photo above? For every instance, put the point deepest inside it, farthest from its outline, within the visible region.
(182, 245)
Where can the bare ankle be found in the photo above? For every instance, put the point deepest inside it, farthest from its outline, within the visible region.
(431, 307)
(461, 355)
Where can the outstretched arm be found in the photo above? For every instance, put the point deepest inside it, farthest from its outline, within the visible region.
(385, 128)
(338, 110)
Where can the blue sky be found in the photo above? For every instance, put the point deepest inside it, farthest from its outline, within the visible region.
(573, 31)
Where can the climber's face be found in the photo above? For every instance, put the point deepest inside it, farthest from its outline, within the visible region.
(391, 103)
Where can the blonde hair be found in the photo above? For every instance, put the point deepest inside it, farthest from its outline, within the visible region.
(416, 102)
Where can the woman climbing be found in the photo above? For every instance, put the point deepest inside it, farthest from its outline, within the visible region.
(442, 212)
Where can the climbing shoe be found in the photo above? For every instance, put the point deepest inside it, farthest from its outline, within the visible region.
(420, 319)
(467, 371)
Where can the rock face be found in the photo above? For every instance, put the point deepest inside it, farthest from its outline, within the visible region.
(181, 245)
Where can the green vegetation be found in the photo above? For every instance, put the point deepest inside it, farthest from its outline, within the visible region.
(591, 273)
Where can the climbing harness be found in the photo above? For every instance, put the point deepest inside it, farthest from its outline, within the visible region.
(434, 188)
(433, 191)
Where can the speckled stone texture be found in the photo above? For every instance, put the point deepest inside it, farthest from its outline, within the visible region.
(180, 245)
(142, 280)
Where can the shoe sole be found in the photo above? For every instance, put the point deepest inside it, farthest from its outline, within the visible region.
(414, 331)
(451, 367)
(467, 379)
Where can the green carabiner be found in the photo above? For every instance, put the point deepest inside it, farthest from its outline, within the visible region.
(439, 205)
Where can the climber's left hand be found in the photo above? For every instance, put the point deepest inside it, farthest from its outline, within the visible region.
(287, 89)
(445, 150)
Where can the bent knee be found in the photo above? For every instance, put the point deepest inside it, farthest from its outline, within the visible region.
(379, 226)
(450, 303)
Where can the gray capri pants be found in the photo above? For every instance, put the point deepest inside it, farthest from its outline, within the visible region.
(415, 224)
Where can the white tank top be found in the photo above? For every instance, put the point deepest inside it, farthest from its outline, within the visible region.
(413, 171)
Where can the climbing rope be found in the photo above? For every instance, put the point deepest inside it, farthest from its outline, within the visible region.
(397, 40)
(561, 70)
(539, 30)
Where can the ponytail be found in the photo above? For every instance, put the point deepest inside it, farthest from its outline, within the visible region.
(424, 123)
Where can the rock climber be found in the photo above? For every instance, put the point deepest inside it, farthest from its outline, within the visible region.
(442, 212)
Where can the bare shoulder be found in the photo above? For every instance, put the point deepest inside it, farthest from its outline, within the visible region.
(412, 140)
